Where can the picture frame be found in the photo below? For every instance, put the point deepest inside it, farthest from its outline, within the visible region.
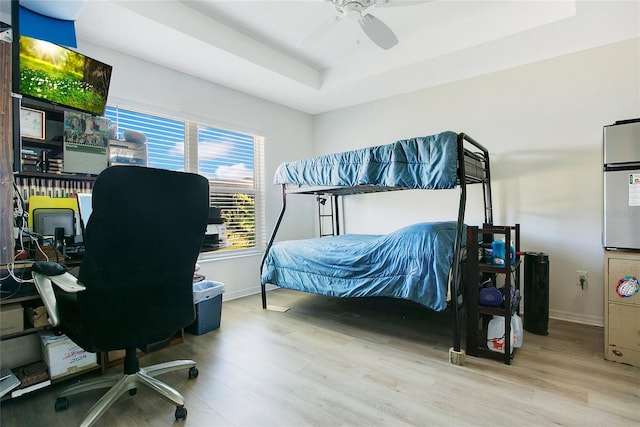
(32, 123)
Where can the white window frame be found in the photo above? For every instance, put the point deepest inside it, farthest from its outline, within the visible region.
(191, 164)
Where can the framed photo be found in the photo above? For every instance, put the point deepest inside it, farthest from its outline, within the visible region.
(32, 123)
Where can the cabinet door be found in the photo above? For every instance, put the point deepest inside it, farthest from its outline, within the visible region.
(624, 328)
(623, 270)
(624, 334)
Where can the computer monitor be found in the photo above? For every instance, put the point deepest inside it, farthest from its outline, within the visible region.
(84, 209)
(46, 221)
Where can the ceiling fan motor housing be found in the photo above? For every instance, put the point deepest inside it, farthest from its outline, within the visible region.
(352, 8)
(375, 29)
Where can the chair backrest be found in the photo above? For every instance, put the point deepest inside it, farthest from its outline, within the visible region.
(142, 242)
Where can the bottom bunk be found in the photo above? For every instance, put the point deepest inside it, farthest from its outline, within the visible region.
(413, 263)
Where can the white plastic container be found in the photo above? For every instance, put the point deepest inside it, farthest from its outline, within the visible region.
(517, 330)
(127, 153)
(496, 335)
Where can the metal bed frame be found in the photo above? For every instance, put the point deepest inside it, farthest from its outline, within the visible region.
(472, 168)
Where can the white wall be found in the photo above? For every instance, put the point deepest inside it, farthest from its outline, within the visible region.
(149, 87)
(542, 124)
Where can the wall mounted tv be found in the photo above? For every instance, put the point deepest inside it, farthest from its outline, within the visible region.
(61, 76)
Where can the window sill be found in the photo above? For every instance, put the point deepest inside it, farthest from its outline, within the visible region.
(222, 255)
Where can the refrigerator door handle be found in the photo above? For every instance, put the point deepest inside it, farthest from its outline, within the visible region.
(611, 167)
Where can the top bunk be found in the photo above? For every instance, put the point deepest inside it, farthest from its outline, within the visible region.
(440, 161)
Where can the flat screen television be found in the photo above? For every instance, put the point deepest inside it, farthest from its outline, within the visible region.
(61, 76)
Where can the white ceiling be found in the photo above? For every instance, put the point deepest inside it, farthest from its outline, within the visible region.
(251, 45)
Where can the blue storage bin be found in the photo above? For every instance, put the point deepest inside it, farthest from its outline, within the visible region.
(207, 298)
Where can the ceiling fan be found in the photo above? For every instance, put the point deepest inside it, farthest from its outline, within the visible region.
(374, 28)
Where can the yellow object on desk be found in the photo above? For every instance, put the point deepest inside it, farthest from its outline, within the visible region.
(38, 202)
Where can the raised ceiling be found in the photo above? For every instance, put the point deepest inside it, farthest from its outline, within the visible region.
(251, 45)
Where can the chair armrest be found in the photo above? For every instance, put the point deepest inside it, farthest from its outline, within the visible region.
(45, 274)
(67, 282)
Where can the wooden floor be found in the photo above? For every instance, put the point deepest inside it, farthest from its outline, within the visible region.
(372, 362)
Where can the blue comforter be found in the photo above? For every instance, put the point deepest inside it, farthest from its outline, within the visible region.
(412, 263)
(428, 162)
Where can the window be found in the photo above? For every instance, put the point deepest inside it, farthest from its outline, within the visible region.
(165, 137)
(230, 160)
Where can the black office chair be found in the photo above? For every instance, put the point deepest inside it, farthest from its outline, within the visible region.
(135, 285)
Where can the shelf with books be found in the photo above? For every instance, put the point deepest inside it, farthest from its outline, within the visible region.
(24, 322)
(24, 390)
(64, 148)
(32, 377)
(38, 184)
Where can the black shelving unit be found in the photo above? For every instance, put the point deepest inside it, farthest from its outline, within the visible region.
(478, 271)
(27, 296)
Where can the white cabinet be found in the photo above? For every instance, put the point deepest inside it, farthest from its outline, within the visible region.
(622, 307)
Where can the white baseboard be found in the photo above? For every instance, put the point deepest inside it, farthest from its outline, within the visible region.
(553, 314)
(576, 318)
(239, 293)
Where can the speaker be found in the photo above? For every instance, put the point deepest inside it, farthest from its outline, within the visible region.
(58, 235)
(536, 293)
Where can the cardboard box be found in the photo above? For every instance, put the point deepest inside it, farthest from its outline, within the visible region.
(11, 319)
(37, 316)
(63, 356)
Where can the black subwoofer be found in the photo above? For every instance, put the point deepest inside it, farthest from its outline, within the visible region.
(536, 293)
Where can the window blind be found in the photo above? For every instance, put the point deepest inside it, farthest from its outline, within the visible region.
(232, 162)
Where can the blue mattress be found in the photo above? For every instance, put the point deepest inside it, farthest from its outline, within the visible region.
(428, 162)
(412, 263)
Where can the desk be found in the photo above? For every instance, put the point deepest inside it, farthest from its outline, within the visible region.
(23, 347)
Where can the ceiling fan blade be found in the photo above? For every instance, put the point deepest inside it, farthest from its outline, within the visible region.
(378, 31)
(319, 33)
(399, 3)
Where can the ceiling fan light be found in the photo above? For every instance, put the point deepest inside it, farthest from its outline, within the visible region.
(353, 9)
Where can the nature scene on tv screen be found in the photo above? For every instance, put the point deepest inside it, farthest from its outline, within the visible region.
(56, 74)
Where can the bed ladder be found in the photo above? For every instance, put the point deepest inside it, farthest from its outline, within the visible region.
(328, 223)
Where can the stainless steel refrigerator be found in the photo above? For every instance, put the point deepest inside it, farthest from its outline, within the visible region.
(621, 153)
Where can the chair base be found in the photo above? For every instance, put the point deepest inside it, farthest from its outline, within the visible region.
(121, 383)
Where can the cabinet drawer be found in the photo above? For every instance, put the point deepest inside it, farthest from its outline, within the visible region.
(624, 328)
(620, 269)
(623, 355)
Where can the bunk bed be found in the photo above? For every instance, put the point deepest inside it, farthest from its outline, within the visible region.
(421, 262)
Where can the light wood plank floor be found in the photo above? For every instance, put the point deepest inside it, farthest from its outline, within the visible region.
(372, 362)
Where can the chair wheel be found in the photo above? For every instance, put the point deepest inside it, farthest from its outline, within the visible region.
(62, 403)
(193, 372)
(133, 392)
(181, 413)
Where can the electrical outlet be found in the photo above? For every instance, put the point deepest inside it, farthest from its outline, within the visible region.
(582, 279)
